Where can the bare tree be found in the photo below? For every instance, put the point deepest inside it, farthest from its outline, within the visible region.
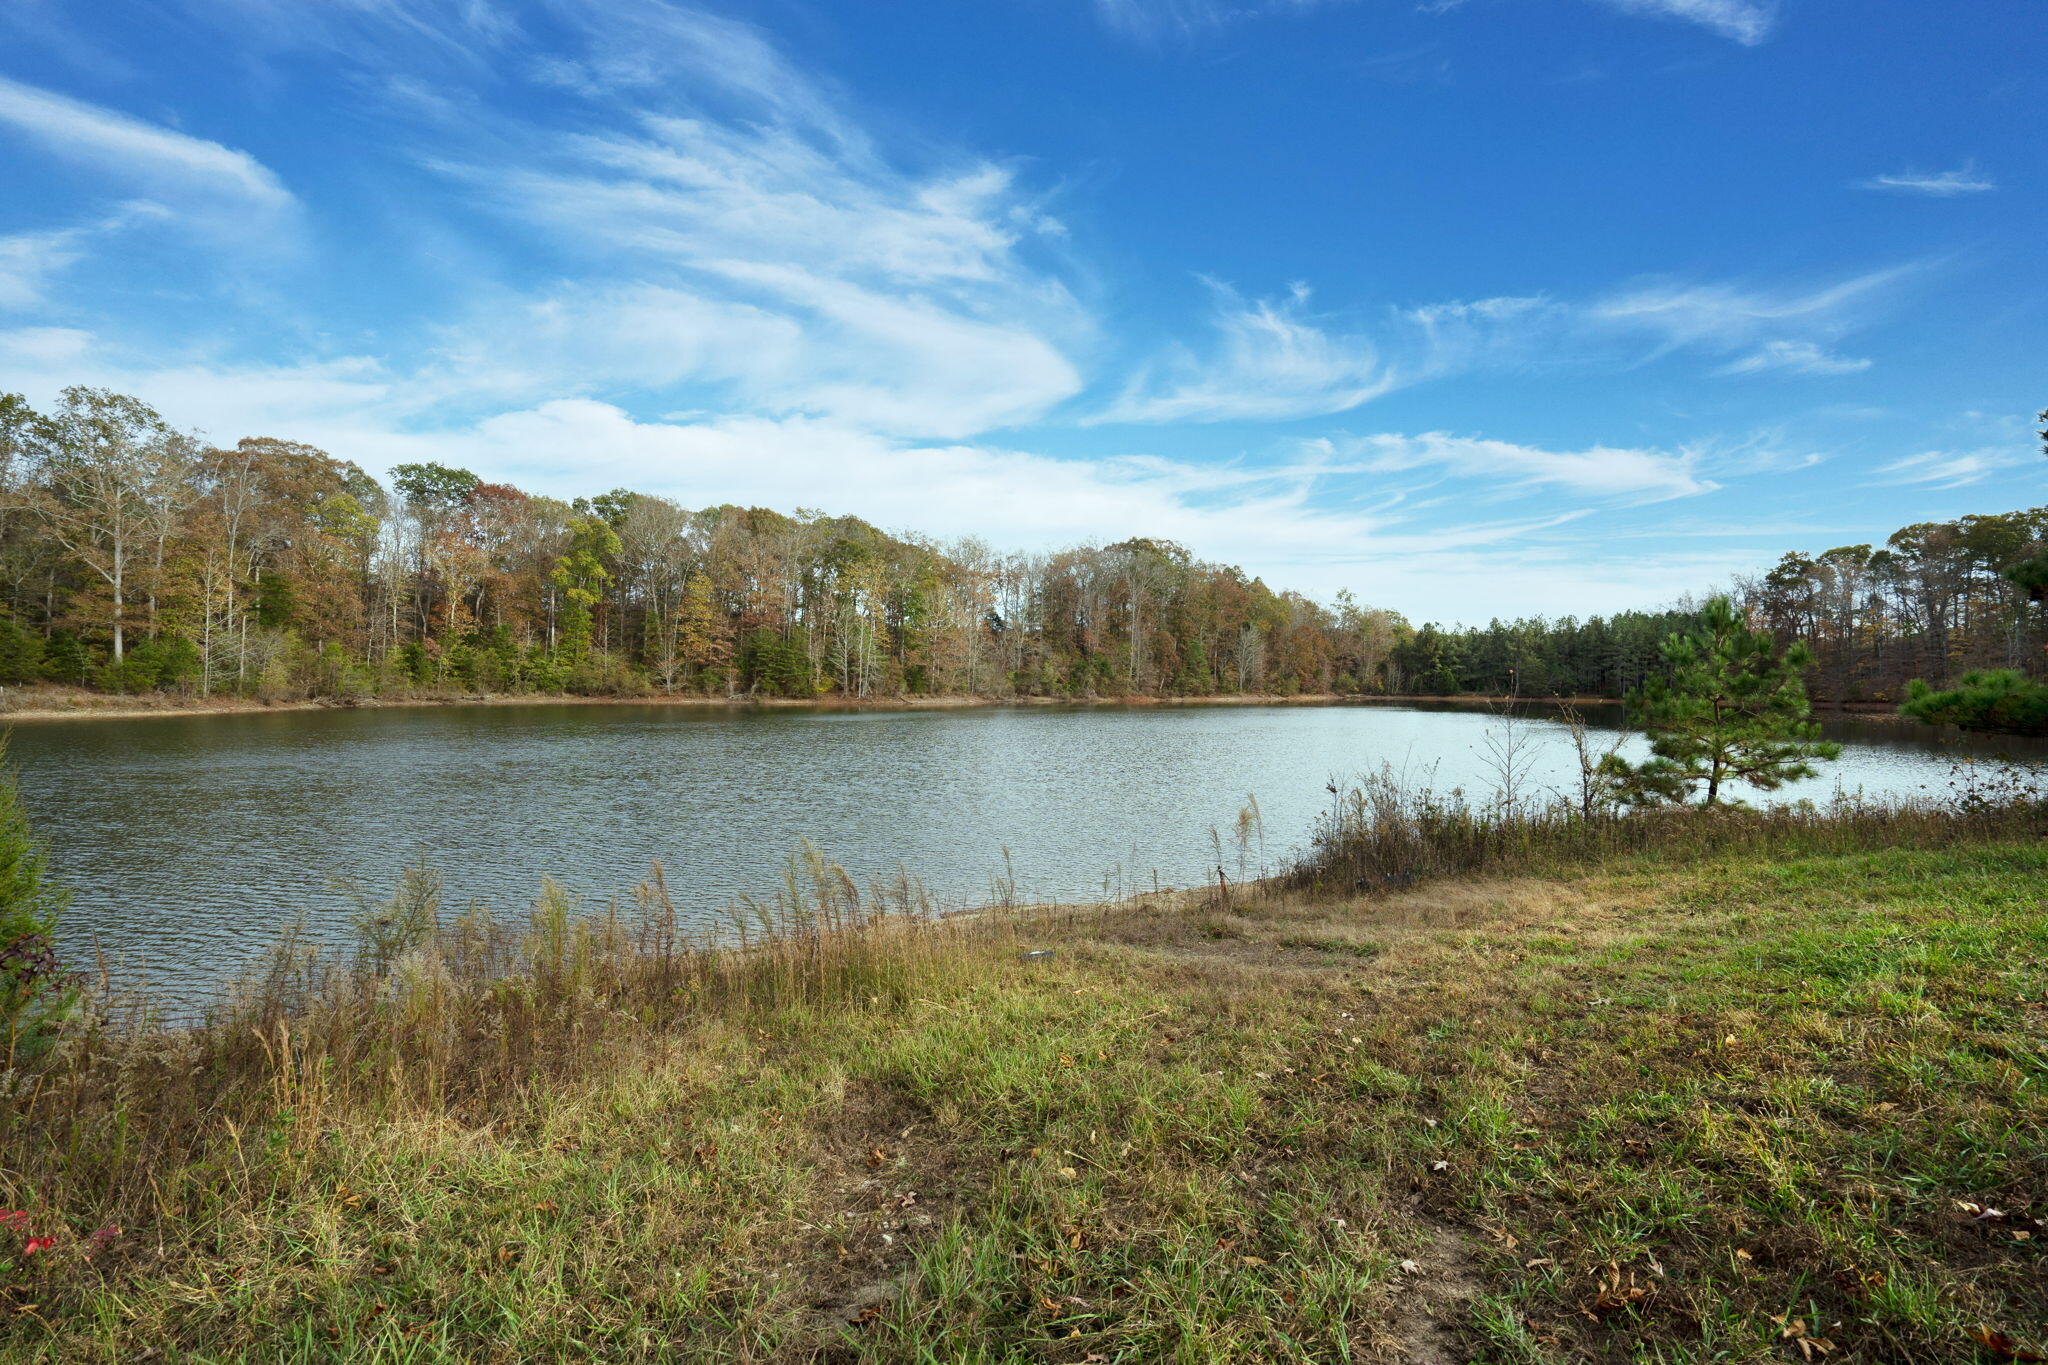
(1597, 778)
(1508, 750)
(106, 482)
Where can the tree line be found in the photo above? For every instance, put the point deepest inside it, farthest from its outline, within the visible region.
(134, 556)
(1935, 601)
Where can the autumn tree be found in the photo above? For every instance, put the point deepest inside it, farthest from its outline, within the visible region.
(108, 474)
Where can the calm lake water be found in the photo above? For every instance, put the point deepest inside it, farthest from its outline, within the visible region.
(188, 841)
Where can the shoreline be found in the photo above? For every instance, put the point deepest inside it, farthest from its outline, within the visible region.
(79, 704)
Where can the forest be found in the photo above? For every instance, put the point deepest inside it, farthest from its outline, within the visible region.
(136, 557)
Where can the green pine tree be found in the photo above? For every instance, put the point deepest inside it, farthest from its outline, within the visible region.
(21, 655)
(1733, 710)
(1998, 699)
(65, 659)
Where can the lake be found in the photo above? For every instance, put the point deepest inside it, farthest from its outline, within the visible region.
(187, 841)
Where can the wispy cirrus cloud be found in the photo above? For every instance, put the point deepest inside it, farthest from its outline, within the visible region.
(1795, 357)
(1731, 315)
(1965, 179)
(1948, 468)
(907, 302)
(1748, 22)
(30, 260)
(1271, 360)
(1161, 18)
(731, 233)
(1625, 474)
(205, 179)
(1275, 360)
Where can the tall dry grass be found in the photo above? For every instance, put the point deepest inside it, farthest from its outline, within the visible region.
(438, 1015)
(1385, 831)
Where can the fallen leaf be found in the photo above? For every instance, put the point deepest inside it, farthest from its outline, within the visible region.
(2003, 1346)
(1983, 1213)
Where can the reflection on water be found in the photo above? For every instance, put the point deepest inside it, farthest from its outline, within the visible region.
(187, 841)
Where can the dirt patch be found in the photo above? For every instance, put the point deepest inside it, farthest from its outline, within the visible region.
(1440, 1280)
(883, 1187)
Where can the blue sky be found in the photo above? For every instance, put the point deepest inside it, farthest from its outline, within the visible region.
(1475, 307)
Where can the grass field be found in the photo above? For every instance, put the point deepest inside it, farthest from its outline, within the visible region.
(1756, 1105)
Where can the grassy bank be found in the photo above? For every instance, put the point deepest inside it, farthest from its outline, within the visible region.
(1746, 1095)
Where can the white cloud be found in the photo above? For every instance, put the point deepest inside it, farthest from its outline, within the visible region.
(1271, 362)
(735, 236)
(1965, 179)
(1604, 472)
(1730, 316)
(1784, 326)
(28, 260)
(1671, 314)
(772, 250)
(1157, 18)
(632, 51)
(1948, 468)
(186, 171)
(1795, 357)
(1746, 21)
(50, 350)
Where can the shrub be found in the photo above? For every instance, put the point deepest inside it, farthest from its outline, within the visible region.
(36, 996)
(1383, 831)
(65, 659)
(1983, 699)
(21, 655)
